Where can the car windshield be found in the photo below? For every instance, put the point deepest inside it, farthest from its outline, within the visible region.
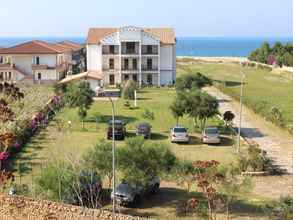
(143, 126)
(124, 187)
(180, 130)
(117, 124)
(211, 131)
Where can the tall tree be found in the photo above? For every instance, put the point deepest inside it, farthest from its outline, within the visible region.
(177, 109)
(81, 96)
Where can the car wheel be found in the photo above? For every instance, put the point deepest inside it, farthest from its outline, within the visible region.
(156, 188)
(136, 201)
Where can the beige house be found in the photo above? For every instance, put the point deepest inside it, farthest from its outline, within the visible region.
(145, 55)
(37, 61)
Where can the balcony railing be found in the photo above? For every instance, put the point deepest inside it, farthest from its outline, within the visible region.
(147, 68)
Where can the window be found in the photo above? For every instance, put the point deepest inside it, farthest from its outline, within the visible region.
(111, 64)
(150, 79)
(112, 49)
(134, 64)
(1, 59)
(37, 60)
(130, 47)
(1, 76)
(149, 49)
(39, 76)
(149, 64)
(134, 77)
(112, 79)
(9, 75)
(126, 64)
(126, 77)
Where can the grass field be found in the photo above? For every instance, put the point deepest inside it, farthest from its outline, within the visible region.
(260, 85)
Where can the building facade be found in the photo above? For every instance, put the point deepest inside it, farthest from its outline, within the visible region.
(37, 61)
(145, 55)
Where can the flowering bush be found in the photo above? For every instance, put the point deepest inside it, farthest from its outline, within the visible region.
(4, 155)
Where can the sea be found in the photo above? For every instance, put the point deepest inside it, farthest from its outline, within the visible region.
(186, 46)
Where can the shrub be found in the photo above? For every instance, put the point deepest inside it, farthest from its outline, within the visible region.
(149, 115)
(128, 90)
(191, 80)
(282, 209)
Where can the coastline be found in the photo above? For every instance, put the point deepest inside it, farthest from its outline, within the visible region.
(215, 59)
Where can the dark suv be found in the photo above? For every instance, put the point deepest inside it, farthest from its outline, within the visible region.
(119, 130)
(144, 129)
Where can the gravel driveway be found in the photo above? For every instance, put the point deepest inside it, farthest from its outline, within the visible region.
(277, 143)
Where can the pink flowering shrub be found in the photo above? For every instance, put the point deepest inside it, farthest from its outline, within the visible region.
(4, 155)
(271, 60)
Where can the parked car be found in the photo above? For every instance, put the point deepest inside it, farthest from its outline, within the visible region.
(127, 194)
(144, 129)
(211, 135)
(119, 130)
(179, 134)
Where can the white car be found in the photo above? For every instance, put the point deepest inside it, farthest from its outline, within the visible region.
(179, 134)
(211, 135)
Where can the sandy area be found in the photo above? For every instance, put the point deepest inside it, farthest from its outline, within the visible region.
(215, 59)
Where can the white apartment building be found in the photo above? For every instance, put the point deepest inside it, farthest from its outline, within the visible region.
(36, 61)
(145, 55)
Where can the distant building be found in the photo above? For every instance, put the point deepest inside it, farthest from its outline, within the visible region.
(145, 55)
(38, 61)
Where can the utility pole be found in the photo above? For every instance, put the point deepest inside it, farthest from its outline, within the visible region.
(113, 157)
(135, 99)
(240, 114)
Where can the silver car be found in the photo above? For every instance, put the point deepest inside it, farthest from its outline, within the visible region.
(179, 134)
(211, 135)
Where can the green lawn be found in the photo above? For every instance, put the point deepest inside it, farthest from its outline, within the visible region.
(51, 143)
(260, 85)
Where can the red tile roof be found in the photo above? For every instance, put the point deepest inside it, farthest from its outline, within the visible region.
(166, 35)
(38, 47)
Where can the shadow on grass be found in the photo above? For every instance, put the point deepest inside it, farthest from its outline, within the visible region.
(229, 83)
(107, 118)
(27, 158)
(159, 136)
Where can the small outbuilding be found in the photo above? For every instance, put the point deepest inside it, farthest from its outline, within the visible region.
(94, 78)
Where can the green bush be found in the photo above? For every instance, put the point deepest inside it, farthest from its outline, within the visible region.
(282, 209)
(192, 80)
(128, 90)
(149, 115)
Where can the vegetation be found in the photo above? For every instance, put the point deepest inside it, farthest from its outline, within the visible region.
(191, 80)
(139, 161)
(79, 95)
(278, 54)
(282, 209)
(228, 117)
(128, 90)
(71, 183)
(257, 92)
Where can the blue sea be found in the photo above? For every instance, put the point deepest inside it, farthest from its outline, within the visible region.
(186, 46)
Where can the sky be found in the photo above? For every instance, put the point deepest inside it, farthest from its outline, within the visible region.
(197, 18)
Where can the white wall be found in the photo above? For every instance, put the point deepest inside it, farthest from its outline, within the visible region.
(166, 77)
(166, 57)
(46, 74)
(94, 57)
(24, 62)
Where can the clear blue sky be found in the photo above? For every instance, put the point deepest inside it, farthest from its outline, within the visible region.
(188, 17)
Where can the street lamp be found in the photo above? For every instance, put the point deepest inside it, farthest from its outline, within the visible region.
(113, 155)
(241, 104)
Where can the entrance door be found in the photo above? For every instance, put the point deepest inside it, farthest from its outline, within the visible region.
(150, 79)
(112, 79)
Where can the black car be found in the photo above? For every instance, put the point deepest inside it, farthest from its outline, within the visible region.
(119, 130)
(144, 129)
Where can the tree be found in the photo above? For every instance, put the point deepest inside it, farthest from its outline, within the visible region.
(183, 172)
(233, 185)
(177, 109)
(288, 59)
(129, 89)
(71, 183)
(207, 176)
(192, 80)
(140, 160)
(149, 115)
(228, 117)
(79, 95)
(99, 158)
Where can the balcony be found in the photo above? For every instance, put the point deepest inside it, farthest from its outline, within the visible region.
(130, 48)
(149, 69)
(149, 50)
(110, 50)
